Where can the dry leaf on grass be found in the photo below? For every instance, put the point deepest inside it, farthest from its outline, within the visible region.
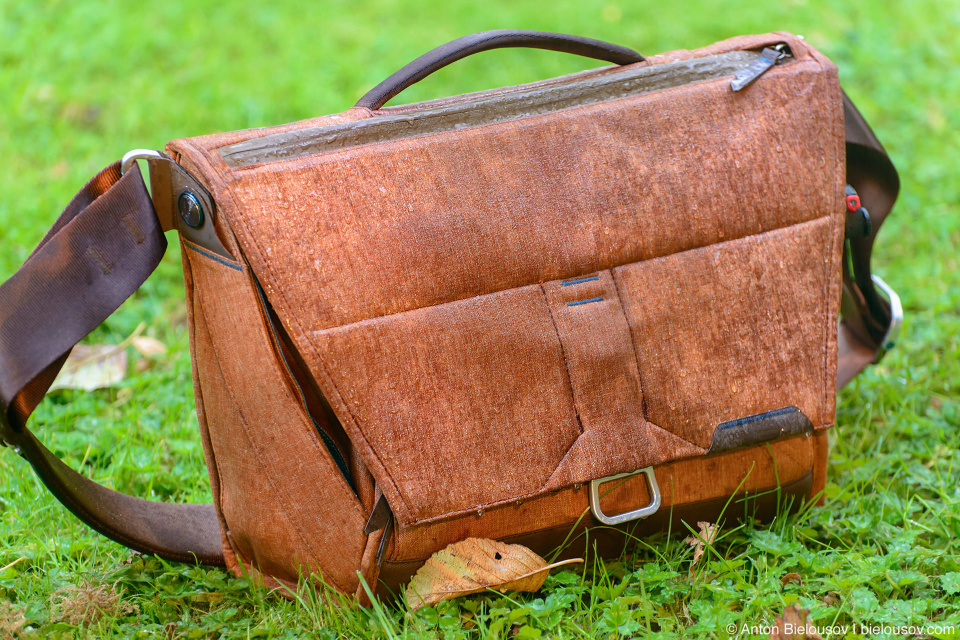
(148, 347)
(791, 578)
(475, 565)
(88, 603)
(96, 366)
(92, 366)
(793, 625)
(708, 533)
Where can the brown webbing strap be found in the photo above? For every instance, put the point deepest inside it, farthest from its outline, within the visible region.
(108, 240)
(99, 251)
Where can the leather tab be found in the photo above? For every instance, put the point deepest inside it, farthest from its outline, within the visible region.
(760, 428)
(379, 517)
(168, 181)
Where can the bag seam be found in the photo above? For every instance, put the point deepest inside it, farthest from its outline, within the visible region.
(566, 365)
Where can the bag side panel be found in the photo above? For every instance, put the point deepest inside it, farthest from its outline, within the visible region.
(284, 503)
(200, 344)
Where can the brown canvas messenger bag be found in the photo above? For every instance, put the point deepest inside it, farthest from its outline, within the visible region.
(578, 310)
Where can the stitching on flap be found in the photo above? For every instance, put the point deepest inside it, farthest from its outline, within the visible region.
(577, 303)
(579, 281)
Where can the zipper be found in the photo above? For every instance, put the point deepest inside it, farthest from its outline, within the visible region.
(522, 101)
(768, 58)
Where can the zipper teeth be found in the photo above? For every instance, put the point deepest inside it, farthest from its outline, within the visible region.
(524, 102)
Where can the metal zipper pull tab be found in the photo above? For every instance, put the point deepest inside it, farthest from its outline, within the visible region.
(767, 59)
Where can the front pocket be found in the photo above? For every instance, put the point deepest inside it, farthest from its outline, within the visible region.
(735, 329)
(498, 398)
(459, 405)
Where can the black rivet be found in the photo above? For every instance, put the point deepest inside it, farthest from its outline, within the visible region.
(190, 210)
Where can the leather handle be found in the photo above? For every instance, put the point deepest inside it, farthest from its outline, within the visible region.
(485, 41)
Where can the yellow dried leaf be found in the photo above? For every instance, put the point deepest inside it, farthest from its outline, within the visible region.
(475, 565)
(708, 533)
(92, 366)
(148, 347)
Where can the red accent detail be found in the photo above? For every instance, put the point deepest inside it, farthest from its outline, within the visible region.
(853, 203)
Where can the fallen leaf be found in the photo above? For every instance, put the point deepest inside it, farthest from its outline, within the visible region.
(793, 625)
(831, 598)
(208, 598)
(708, 533)
(791, 578)
(92, 366)
(96, 366)
(475, 565)
(148, 347)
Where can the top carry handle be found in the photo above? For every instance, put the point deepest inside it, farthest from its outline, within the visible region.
(108, 240)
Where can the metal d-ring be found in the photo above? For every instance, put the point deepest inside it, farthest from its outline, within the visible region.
(643, 512)
(130, 157)
(896, 317)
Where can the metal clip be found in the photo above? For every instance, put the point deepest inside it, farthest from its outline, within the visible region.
(896, 317)
(643, 512)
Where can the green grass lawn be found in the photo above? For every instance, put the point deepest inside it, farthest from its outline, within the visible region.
(83, 82)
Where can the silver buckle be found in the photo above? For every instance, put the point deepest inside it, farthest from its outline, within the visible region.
(896, 317)
(642, 512)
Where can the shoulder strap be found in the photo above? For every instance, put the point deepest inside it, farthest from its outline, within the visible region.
(99, 251)
(108, 240)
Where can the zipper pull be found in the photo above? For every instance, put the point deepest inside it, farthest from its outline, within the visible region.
(767, 59)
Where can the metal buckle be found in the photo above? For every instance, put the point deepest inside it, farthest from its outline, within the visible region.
(643, 512)
(896, 317)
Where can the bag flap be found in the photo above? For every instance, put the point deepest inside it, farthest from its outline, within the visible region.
(499, 301)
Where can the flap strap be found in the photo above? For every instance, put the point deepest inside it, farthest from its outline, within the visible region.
(107, 242)
(99, 251)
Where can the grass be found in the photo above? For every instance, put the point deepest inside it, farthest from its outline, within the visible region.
(83, 82)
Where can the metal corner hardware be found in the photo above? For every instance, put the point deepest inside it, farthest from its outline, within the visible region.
(181, 202)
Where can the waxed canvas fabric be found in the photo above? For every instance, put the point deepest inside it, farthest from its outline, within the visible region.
(494, 316)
